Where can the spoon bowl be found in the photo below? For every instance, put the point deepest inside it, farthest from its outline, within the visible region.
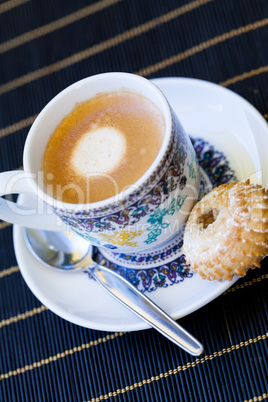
(66, 251)
(60, 251)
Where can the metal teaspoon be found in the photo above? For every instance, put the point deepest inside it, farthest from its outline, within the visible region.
(68, 251)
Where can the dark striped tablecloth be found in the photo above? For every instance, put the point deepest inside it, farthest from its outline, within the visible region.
(47, 45)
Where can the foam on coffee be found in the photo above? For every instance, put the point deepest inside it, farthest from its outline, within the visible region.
(102, 147)
(106, 147)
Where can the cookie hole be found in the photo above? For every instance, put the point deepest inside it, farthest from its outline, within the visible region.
(208, 218)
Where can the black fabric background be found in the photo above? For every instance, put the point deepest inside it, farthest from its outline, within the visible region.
(47, 45)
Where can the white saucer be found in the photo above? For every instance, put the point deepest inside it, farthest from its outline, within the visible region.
(208, 111)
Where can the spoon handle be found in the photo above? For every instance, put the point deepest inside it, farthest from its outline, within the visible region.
(141, 305)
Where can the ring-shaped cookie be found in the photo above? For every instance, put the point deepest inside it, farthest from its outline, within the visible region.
(227, 231)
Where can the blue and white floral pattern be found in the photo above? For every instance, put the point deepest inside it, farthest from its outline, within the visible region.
(149, 278)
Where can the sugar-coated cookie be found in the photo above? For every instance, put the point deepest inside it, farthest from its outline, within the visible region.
(227, 231)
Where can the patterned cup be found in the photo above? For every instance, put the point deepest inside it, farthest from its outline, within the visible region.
(145, 215)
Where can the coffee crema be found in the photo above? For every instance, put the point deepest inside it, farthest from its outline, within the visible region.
(102, 147)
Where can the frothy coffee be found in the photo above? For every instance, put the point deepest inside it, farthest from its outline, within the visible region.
(102, 147)
(107, 147)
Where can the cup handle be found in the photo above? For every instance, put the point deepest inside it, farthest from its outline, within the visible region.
(18, 182)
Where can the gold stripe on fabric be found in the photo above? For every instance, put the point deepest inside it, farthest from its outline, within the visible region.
(38, 310)
(99, 341)
(58, 356)
(17, 126)
(23, 316)
(243, 285)
(55, 25)
(258, 398)
(29, 120)
(179, 368)
(107, 44)
(244, 76)
(32, 312)
(201, 47)
(8, 5)
(4, 225)
(9, 271)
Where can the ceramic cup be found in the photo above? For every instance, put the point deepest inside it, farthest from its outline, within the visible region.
(145, 215)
